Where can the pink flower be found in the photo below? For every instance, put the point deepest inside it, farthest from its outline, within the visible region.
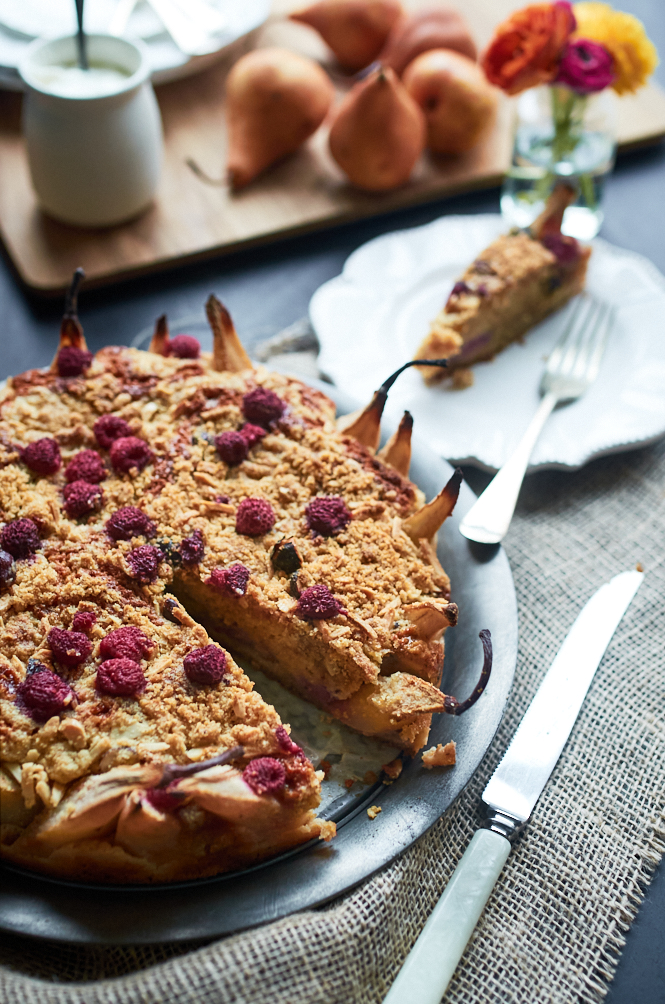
(585, 67)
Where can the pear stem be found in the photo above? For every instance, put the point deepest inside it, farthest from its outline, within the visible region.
(203, 176)
(387, 384)
(452, 705)
(71, 297)
(173, 771)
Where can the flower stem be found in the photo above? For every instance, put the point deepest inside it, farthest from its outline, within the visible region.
(567, 114)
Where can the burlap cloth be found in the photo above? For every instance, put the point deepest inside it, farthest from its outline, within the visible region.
(553, 929)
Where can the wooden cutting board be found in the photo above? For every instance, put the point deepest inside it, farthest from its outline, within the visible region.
(192, 219)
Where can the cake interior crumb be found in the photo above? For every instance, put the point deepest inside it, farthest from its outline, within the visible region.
(393, 769)
(440, 756)
(462, 378)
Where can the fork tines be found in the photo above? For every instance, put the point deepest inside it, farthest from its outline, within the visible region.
(579, 350)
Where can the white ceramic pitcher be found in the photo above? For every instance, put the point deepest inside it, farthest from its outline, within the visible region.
(94, 142)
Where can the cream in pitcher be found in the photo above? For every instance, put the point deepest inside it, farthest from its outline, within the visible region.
(94, 136)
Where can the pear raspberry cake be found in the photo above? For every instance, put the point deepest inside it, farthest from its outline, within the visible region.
(287, 538)
(515, 283)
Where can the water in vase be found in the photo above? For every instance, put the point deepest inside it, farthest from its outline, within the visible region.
(543, 156)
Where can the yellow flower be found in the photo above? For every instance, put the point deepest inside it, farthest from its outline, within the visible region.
(635, 56)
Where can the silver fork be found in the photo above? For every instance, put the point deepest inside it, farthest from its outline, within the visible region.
(571, 369)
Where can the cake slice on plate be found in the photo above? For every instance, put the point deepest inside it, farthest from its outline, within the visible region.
(511, 286)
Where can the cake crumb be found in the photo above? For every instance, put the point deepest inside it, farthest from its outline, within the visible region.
(370, 777)
(327, 830)
(639, 567)
(373, 811)
(462, 378)
(349, 783)
(440, 756)
(392, 769)
(325, 766)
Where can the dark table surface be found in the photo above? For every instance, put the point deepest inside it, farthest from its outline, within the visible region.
(268, 289)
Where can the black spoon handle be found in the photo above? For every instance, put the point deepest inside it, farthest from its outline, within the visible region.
(80, 37)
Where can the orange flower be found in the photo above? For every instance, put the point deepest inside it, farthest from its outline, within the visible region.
(526, 49)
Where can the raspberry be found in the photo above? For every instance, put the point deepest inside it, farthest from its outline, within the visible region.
(317, 603)
(86, 466)
(184, 347)
(108, 428)
(566, 250)
(120, 678)
(7, 569)
(81, 498)
(254, 517)
(327, 515)
(126, 643)
(43, 693)
(144, 562)
(70, 648)
(84, 621)
(265, 775)
(20, 538)
(205, 665)
(286, 743)
(459, 288)
(128, 452)
(232, 581)
(42, 456)
(129, 522)
(162, 799)
(192, 549)
(72, 362)
(262, 406)
(252, 434)
(222, 499)
(232, 447)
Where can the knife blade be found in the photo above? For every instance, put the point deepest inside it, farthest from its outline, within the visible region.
(512, 793)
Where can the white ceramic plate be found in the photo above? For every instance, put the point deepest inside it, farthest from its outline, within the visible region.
(23, 20)
(371, 318)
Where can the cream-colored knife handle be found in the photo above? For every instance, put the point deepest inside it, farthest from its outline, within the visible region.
(433, 959)
(488, 519)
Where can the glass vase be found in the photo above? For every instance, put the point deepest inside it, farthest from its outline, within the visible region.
(560, 136)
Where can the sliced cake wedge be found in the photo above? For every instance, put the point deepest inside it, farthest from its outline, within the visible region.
(133, 748)
(515, 283)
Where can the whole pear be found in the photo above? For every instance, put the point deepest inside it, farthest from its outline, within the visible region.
(455, 97)
(355, 30)
(378, 133)
(275, 100)
(430, 28)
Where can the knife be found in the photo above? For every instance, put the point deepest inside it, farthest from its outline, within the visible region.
(511, 794)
